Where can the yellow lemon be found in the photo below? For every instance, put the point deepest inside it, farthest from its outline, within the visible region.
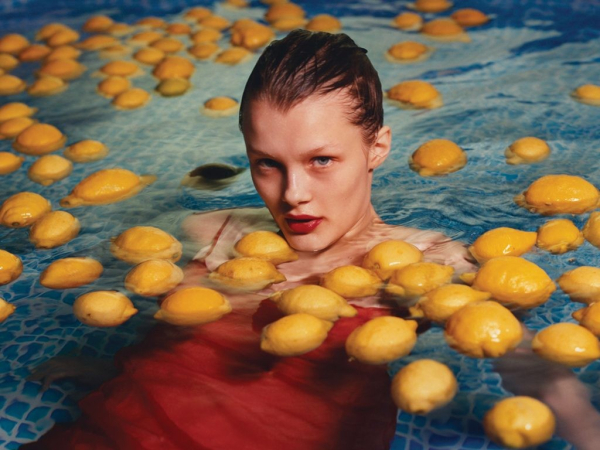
(214, 21)
(581, 284)
(469, 17)
(559, 236)
(419, 278)
(527, 150)
(514, 281)
(8, 62)
(437, 157)
(150, 56)
(145, 37)
(197, 13)
(6, 309)
(46, 85)
(445, 29)
(120, 69)
(352, 281)
(103, 308)
(132, 98)
(97, 24)
(39, 139)
(34, 52)
(172, 87)
(65, 69)
(106, 186)
(203, 50)
(382, 340)
(588, 94)
(10, 84)
(294, 335)
(220, 106)
(63, 52)
(265, 245)
(566, 343)
(247, 273)
(9, 162)
(324, 22)
(502, 241)
(591, 230)
(138, 244)
(13, 43)
(559, 194)
(151, 22)
(288, 23)
(23, 209)
(252, 37)
(49, 168)
(13, 127)
(69, 273)
(98, 42)
(519, 422)
(283, 11)
(112, 86)
(316, 300)
(422, 386)
(54, 229)
(167, 44)
(408, 21)
(207, 35)
(178, 28)
(174, 67)
(48, 30)
(153, 277)
(193, 306)
(407, 51)
(10, 267)
(14, 110)
(415, 94)
(440, 303)
(589, 317)
(431, 6)
(388, 256)
(483, 330)
(86, 151)
(233, 55)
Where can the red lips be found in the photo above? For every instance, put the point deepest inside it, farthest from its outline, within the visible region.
(302, 224)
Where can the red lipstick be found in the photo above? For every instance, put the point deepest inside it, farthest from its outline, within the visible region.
(302, 224)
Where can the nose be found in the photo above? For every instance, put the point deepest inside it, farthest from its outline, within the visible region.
(296, 188)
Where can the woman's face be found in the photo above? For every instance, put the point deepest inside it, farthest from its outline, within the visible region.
(312, 169)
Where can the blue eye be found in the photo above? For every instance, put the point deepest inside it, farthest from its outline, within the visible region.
(322, 160)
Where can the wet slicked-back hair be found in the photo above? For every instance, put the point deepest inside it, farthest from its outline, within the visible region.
(308, 63)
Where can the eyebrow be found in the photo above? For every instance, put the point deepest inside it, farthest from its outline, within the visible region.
(306, 154)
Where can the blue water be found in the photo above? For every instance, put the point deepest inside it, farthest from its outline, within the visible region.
(512, 80)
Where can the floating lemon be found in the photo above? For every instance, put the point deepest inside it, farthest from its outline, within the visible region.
(233, 55)
(97, 24)
(213, 21)
(172, 87)
(324, 22)
(247, 273)
(502, 241)
(34, 52)
(119, 29)
(48, 30)
(153, 277)
(6, 309)
(527, 150)
(13, 43)
(132, 98)
(167, 44)
(145, 37)
(483, 330)
(106, 186)
(445, 29)
(113, 86)
(178, 28)
(14, 127)
(120, 69)
(10, 267)
(591, 230)
(150, 56)
(352, 281)
(415, 94)
(519, 422)
(294, 335)
(559, 194)
(138, 244)
(39, 139)
(559, 236)
(193, 306)
(382, 340)
(469, 17)
(9, 162)
(47, 85)
(408, 21)
(204, 50)
(49, 168)
(284, 11)
(63, 37)
(103, 308)
(431, 6)
(388, 256)
(14, 110)
(151, 22)
(589, 318)
(422, 386)
(174, 67)
(220, 107)
(65, 69)
(206, 35)
(418, 278)
(23, 209)
(86, 151)
(54, 229)
(10, 84)
(115, 52)
(440, 303)
(581, 284)
(69, 273)
(437, 157)
(8, 62)
(513, 281)
(252, 37)
(566, 343)
(197, 13)
(407, 52)
(63, 52)
(98, 42)
(236, 3)
(265, 245)
(588, 94)
(315, 300)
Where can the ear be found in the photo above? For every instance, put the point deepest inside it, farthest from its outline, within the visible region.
(380, 149)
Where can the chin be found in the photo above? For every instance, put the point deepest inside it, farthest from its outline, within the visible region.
(307, 243)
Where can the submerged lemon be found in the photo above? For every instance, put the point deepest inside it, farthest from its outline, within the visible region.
(103, 308)
(106, 186)
(97, 24)
(197, 13)
(10, 267)
(315, 300)
(283, 11)
(10, 84)
(502, 241)
(23, 209)
(172, 87)
(54, 229)
(49, 168)
(514, 281)
(120, 69)
(408, 21)
(437, 157)
(131, 99)
(407, 51)
(445, 29)
(265, 245)
(566, 343)
(559, 236)
(65, 69)
(252, 37)
(589, 318)
(63, 52)
(9, 162)
(69, 273)
(519, 422)
(150, 56)
(440, 303)
(581, 284)
(39, 139)
(469, 17)
(220, 106)
(294, 335)
(47, 85)
(591, 230)
(153, 277)
(213, 21)
(527, 150)
(419, 278)
(193, 306)
(209, 35)
(14, 110)
(588, 94)
(174, 67)
(324, 22)
(113, 86)
(233, 55)
(422, 386)
(98, 42)
(203, 50)
(352, 281)
(483, 330)
(247, 273)
(415, 94)
(145, 37)
(14, 127)
(431, 6)
(559, 194)
(167, 44)
(13, 43)
(6, 309)
(138, 244)
(86, 151)
(388, 256)
(382, 340)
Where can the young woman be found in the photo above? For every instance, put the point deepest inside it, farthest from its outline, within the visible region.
(312, 121)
